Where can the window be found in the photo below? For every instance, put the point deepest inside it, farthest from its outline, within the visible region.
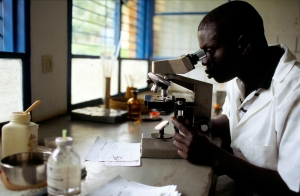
(94, 40)
(15, 94)
(107, 39)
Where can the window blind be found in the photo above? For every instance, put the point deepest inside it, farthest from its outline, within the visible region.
(94, 24)
(175, 26)
(129, 31)
(136, 26)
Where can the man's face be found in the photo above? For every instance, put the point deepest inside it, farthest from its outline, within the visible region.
(222, 59)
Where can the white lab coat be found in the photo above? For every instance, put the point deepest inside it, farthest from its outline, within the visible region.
(268, 135)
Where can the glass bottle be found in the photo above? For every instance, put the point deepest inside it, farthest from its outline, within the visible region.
(64, 169)
(19, 135)
(134, 107)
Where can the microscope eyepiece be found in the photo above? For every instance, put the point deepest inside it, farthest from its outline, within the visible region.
(201, 54)
(196, 56)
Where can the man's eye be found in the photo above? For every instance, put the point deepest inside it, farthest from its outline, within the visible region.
(211, 52)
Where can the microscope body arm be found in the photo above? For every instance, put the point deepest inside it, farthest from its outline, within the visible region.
(197, 112)
(202, 93)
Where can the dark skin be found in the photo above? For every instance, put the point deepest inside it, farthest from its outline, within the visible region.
(223, 63)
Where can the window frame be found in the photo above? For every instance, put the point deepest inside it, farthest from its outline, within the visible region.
(23, 55)
(147, 52)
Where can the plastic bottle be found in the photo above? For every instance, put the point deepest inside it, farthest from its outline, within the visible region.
(64, 169)
(19, 135)
(134, 107)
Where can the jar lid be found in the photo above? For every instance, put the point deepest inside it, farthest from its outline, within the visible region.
(64, 141)
(20, 116)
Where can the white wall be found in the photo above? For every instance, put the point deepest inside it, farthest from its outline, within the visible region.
(49, 37)
(281, 21)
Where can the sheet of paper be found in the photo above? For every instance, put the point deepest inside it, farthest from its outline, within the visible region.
(121, 187)
(108, 151)
(145, 190)
(125, 163)
(112, 188)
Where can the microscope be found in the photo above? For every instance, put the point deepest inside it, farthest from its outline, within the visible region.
(194, 109)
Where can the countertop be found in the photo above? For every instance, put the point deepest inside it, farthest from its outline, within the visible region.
(191, 180)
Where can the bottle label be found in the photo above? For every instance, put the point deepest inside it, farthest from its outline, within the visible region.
(62, 177)
(32, 143)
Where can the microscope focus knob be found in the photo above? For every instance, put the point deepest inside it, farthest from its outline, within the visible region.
(203, 124)
(204, 128)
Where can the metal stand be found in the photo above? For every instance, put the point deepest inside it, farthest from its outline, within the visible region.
(161, 135)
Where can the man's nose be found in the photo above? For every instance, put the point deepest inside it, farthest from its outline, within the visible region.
(204, 61)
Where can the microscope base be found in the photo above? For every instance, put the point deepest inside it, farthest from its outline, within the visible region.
(158, 148)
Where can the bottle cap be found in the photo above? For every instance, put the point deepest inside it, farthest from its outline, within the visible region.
(64, 141)
(20, 116)
(134, 91)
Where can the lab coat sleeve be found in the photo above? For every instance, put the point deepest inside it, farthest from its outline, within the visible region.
(287, 125)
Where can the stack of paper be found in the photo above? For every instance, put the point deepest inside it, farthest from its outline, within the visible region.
(114, 153)
(121, 187)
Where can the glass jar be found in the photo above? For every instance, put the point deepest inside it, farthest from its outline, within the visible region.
(64, 169)
(134, 107)
(19, 135)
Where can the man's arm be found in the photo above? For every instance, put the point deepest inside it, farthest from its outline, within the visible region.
(220, 128)
(260, 180)
(198, 149)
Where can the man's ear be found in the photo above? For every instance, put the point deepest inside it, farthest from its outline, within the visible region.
(244, 44)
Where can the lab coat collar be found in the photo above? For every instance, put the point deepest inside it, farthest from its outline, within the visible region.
(264, 98)
(285, 65)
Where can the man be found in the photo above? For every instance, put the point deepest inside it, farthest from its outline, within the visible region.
(261, 111)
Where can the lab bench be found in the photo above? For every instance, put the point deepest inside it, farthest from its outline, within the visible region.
(191, 180)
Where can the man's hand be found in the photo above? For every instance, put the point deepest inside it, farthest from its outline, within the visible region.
(194, 146)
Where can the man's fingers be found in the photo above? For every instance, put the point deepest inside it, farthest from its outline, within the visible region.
(182, 154)
(182, 150)
(177, 136)
(178, 145)
(180, 126)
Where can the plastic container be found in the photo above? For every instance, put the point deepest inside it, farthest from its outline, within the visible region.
(19, 135)
(64, 169)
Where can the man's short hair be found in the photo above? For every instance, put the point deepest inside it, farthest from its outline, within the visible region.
(233, 19)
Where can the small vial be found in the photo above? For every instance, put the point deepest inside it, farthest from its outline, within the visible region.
(134, 107)
(64, 169)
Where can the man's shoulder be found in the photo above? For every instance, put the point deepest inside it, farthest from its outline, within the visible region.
(289, 86)
(294, 73)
